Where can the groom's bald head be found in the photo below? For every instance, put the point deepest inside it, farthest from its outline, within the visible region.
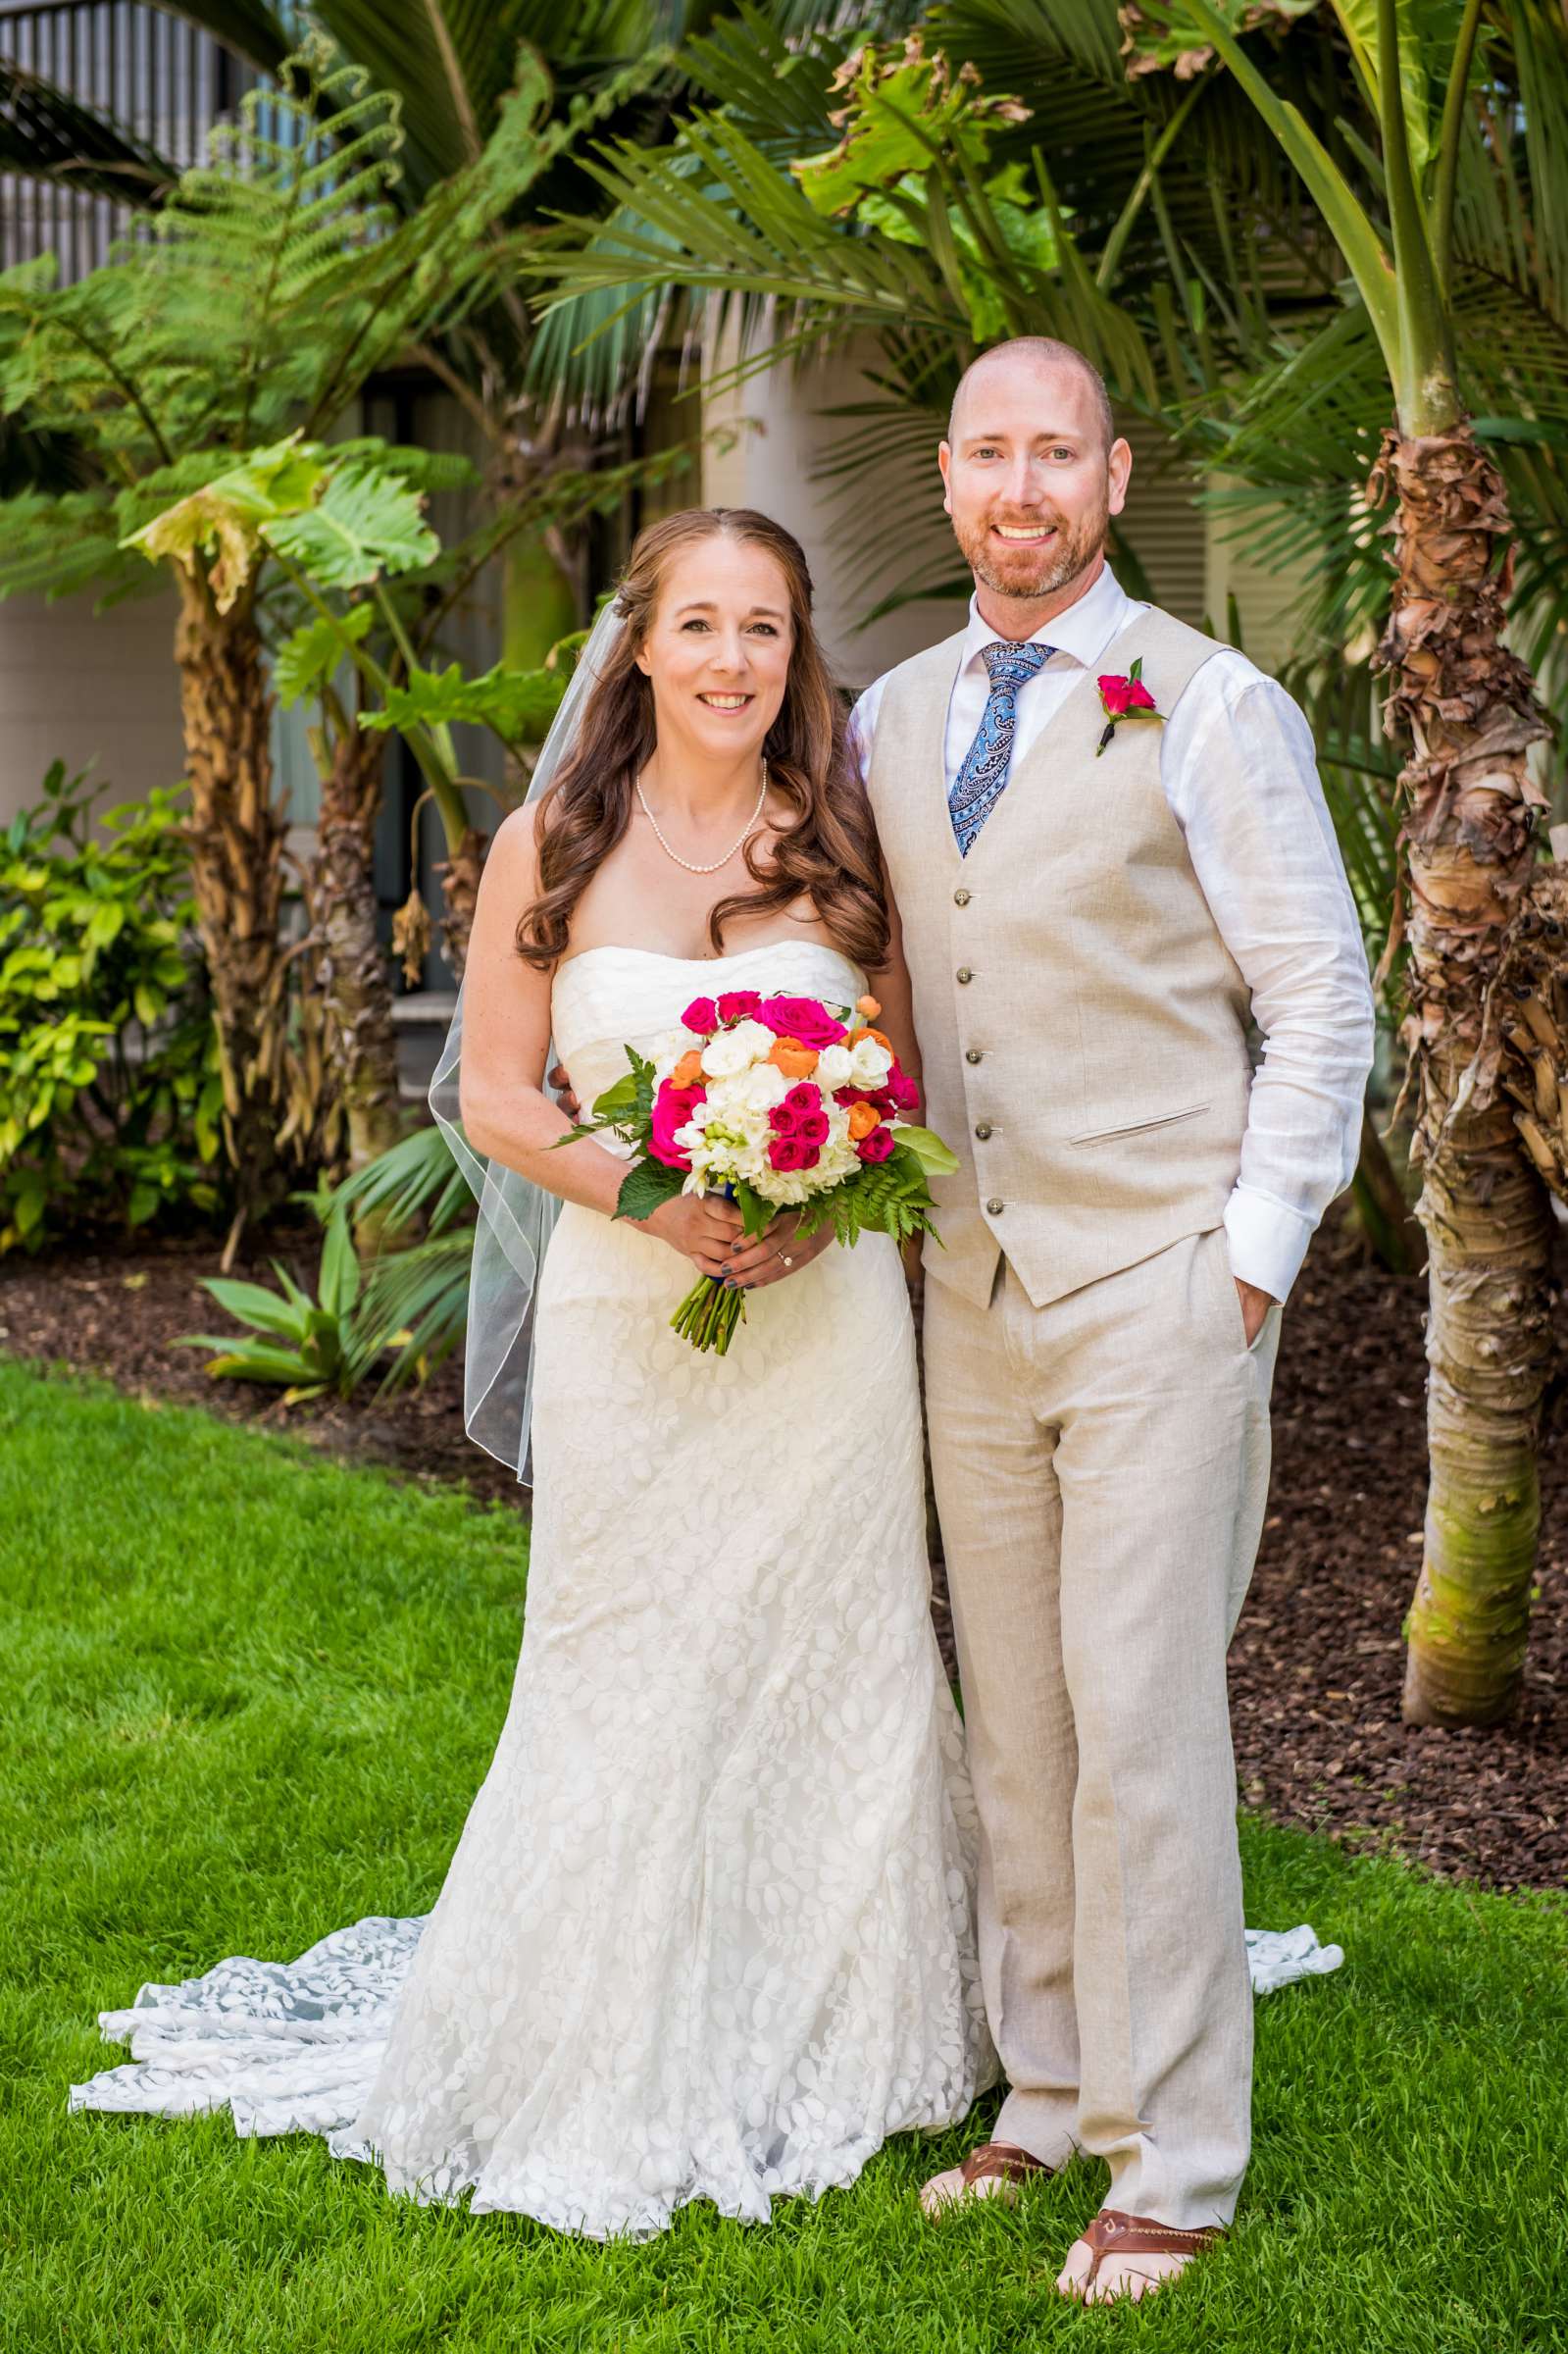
(1042, 358)
(1032, 473)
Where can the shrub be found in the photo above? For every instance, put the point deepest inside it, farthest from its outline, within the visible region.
(110, 1096)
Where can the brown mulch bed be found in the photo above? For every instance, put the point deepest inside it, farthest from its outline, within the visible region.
(116, 1312)
(1317, 1663)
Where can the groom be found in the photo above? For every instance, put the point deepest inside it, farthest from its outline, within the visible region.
(1093, 909)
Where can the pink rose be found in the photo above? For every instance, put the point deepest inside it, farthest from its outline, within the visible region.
(802, 1018)
(737, 1005)
(1121, 695)
(804, 1100)
(874, 1146)
(673, 1106)
(702, 1016)
(790, 1153)
(901, 1088)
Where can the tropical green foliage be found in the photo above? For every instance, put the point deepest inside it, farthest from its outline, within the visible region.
(277, 279)
(109, 1089)
(1162, 224)
(421, 1290)
(307, 1345)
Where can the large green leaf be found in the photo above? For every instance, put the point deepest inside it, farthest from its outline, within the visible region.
(365, 522)
(308, 658)
(223, 519)
(518, 704)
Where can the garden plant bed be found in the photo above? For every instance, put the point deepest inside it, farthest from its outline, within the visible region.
(1317, 1662)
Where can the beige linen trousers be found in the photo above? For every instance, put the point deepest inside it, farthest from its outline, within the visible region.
(1099, 1428)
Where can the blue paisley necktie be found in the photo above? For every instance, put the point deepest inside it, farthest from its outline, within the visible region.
(982, 780)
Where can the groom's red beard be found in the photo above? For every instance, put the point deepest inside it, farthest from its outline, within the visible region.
(1033, 572)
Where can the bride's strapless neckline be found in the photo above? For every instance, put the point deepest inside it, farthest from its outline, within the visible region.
(769, 948)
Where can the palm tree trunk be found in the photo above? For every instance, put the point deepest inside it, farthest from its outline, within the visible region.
(354, 974)
(1471, 712)
(459, 874)
(236, 835)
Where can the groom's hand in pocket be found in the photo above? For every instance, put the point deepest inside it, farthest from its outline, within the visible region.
(755, 1264)
(1255, 1305)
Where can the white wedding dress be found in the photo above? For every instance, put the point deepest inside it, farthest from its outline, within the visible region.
(707, 1932)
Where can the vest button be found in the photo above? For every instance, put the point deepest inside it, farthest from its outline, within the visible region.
(982, 1130)
(973, 1054)
(960, 898)
(964, 973)
(994, 1208)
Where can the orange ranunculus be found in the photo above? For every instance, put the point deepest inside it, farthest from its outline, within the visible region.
(868, 1007)
(687, 1071)
(792, 1059)
(881, 1036)
(863, 1118)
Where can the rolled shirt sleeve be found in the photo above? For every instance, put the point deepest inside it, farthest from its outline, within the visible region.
(861, 727)
(1240, 769)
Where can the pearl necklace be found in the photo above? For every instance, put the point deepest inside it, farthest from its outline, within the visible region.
(692, 869)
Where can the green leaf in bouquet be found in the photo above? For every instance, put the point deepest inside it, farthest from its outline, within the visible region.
(935, 1157)
(619, 1102)
(756, 1214)
(644, 1186)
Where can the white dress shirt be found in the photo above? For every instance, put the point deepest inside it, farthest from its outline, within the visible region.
(1239, 771)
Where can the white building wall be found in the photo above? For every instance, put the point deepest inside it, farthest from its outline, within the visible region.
(88, 689)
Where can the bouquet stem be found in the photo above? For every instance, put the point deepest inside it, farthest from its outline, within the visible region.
(709, 1314)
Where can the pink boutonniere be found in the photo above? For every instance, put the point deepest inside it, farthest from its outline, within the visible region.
(1121, 698)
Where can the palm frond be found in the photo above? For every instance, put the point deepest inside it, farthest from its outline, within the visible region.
(47, 134)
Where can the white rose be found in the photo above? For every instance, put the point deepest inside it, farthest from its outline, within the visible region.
(869, 1063)
(759, 1089)
(832, 1068)
(733, 1051)
(670, 1045)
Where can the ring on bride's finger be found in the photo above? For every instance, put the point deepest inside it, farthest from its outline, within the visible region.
(784, 1256)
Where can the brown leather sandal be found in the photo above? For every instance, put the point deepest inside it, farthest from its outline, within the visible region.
(1113, 2233)
(1001, 2162)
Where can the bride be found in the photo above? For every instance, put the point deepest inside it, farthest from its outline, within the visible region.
(707, 1932)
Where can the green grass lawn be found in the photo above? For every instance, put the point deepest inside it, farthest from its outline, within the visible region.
(248, 1697)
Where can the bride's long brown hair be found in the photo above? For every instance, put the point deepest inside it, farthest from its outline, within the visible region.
(827, 854)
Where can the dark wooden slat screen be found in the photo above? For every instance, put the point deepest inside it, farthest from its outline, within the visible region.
(157, 76)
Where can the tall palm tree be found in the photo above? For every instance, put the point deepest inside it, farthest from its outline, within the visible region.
(1465, 705)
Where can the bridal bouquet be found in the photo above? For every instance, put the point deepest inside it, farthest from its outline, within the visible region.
(778, 1104)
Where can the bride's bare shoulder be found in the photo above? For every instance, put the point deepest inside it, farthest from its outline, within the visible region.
(512, 861)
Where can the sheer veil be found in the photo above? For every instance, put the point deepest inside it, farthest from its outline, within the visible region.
(516, 1216)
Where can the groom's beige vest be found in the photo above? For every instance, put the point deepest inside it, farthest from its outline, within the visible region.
(1082, 1023)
